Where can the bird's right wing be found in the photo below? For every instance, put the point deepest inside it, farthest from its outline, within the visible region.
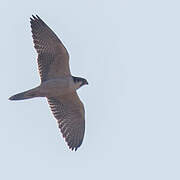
(70, 115)
(53, 58)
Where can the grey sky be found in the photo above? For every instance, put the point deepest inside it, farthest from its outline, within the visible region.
(129, 52)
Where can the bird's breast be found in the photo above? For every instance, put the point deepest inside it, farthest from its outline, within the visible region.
(56, 87)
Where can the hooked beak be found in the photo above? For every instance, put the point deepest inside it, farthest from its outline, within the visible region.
(86, 83)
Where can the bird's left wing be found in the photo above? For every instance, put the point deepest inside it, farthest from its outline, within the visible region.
(69, 112)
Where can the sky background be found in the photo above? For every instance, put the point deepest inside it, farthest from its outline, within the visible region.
(130, 53)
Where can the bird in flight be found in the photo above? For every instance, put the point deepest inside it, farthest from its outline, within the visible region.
(57, 83)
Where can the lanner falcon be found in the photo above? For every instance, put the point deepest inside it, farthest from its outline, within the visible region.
(57, 83)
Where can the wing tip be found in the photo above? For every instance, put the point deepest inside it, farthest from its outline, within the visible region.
(35, 18)
(74, 147)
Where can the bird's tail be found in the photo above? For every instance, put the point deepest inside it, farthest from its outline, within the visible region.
(24, 95)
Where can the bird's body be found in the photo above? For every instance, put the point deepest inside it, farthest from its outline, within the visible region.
(57, 87)
(57, 84)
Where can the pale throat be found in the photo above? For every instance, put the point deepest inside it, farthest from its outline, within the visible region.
(77, 85)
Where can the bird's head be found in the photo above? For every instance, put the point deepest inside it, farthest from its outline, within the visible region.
(79, 81)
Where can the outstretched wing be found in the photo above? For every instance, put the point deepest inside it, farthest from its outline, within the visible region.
(53, 58)
(70, 115)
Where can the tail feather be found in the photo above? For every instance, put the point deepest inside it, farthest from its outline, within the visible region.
(24, 95)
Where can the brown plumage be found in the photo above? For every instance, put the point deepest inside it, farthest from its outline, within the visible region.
(53, 58)
(57, 83)
(69, 112)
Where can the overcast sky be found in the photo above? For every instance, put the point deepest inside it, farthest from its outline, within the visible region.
(130, 53)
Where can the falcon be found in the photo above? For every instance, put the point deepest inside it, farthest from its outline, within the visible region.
(57, 83)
